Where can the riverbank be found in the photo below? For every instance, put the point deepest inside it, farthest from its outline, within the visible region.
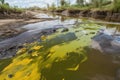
(97, 14)
(26, 14)
(13, 35)
(10, 25)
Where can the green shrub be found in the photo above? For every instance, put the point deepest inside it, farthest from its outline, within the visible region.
(5, 8)
(116, 5)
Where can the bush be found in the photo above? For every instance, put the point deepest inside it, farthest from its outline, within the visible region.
(5, 8)
(116, 7)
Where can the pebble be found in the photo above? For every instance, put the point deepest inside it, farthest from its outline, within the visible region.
(10, 75)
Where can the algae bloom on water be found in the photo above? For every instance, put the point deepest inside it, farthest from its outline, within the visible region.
(51, 59)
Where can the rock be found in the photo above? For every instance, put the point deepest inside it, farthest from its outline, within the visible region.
(10, 75)
(116, 42)
(77, 31)
(65, 13)
(118, 75)
(92, 32)
(54, 30)
(8, 31)
(106, 43)
(84, 32)
(65, 30)
(1, 33)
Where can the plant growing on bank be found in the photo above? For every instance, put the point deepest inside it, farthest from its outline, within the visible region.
(116, 5)
(80, 2)
(62, 2)
(111, 5)
(52, 7)
(34, 8)
(5, 8)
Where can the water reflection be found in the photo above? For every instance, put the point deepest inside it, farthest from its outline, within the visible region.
(107, 25)
(63, 38)
(61, 67)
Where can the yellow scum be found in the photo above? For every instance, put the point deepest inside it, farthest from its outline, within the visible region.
(34, 47)
(21, 70)
(23, 50)
(37, 47)
(43, 37)
(35, 53)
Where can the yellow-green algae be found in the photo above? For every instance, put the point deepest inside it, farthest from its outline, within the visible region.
(52, 58)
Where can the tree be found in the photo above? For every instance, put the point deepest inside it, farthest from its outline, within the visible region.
(116, 4)
(2, 1)
(69, 2)
(97, 3)
(115, 1)
(80, 2)
(62, 2)
(53, 6)
(100, 3)
(48, 6)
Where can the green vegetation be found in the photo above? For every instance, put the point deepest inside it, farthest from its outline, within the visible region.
(111, 5)
(35, 8)
(2, 1)
(116, 4)
(5, 8)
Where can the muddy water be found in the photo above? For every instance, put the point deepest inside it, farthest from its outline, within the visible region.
(63, 55)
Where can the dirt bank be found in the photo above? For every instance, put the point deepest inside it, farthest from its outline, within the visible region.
(10, 25)
(104, 15)
(17, 15)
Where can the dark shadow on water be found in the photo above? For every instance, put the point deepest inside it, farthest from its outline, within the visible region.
(59, 40)
(97, 66)
(4, 63)
(60, 69)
